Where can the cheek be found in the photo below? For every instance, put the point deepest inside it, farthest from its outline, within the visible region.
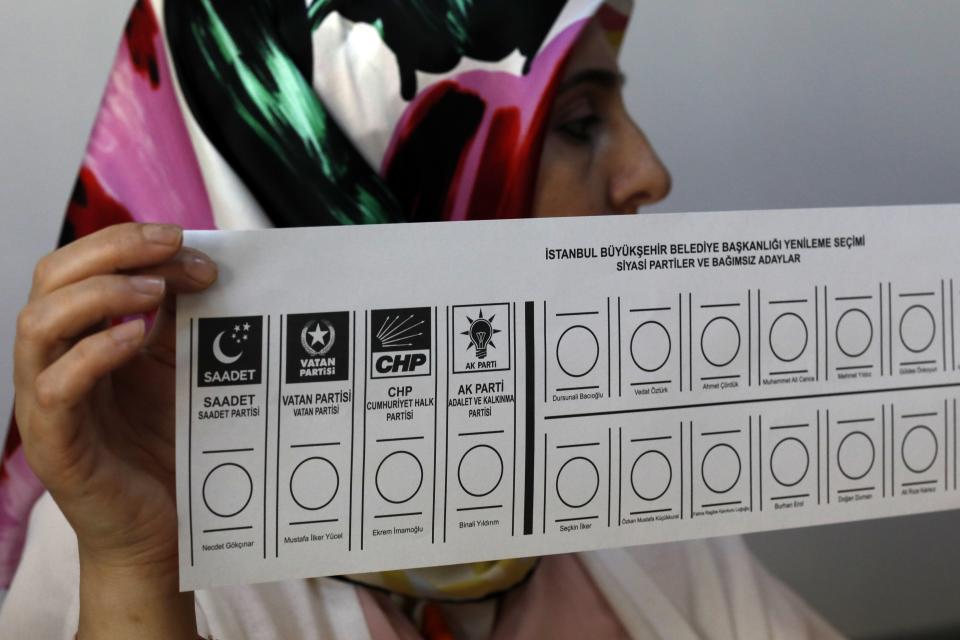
(566, 185)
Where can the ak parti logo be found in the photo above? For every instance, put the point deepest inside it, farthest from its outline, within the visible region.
(229, 351)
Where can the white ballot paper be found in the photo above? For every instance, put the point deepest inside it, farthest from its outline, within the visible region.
(356, 399)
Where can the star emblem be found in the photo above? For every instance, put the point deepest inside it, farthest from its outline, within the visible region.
(318, 336)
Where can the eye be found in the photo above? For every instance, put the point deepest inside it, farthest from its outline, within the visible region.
(580, 130)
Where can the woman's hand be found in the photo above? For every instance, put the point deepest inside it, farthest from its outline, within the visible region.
(95, 406)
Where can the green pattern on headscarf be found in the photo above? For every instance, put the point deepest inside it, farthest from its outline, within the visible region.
(248, 65)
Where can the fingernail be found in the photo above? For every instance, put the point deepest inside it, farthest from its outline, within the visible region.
(200, 268)
(162, 233)
(128, 331)
(148, 285)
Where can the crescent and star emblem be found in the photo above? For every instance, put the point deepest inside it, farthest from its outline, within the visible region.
(239, 335)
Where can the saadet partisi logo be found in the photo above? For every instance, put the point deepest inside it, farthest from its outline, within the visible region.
(229, 351)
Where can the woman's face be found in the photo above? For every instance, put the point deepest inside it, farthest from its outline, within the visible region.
(595, 159)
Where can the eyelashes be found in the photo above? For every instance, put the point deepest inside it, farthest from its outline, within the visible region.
(580, 130)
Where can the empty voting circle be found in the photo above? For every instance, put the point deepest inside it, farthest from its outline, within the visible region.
(578, 351)
(917, 328)
(577, 482)
(314, 483)
(227, 490)
(650, 346)
(855, 455)
(919, 449)
(854, 333)
(720, 468)
(480, 470)
(399, 477)
(789, 462)
(788, 337)
(651, 475)
(720, 341)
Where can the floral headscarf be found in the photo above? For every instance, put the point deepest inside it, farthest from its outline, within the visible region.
(226, 114)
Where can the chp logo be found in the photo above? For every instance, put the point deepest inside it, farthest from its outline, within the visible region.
(230, 351)
(318, 347)
(400, 342)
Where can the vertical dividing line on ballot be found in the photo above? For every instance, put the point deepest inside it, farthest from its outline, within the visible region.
(266, 437)
(819, 455)
(681, 470)
(680, 333)
(943, 322)
(953, 343)
(530, 320)
(816, 333)
(436, 399)
(448, 341)
(544, 482)
(889, 336)
(827, 428)
(512, 327)
(893, 439)
(750, 459)
(620, 476)
(690, 338)
(190, 446)
(759, 451)
(691, 469)
(528, 444)
(609, 363)
(759, 351)
(353, 422)
(883, 445)
(826, 362)
(276, 506)
(750, 344)
(880, 341)
(620, 350)
(609, 472)
(363, 449)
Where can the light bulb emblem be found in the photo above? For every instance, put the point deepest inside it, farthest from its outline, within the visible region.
(480, 333)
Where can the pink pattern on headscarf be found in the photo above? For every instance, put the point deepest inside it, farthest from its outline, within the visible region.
(140, 150)
(139, 165)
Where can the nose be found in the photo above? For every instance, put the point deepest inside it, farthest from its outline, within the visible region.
(637, 178)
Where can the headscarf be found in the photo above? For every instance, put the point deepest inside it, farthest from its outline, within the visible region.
(260, 113)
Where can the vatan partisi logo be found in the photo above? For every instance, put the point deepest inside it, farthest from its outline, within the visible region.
(400, 342)
(229, 351)
(318, 347)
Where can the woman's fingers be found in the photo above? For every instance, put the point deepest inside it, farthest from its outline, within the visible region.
(47, 322)
(67, 380)
(202, 272)
(187, 272)
(116, 248)
(51, 441)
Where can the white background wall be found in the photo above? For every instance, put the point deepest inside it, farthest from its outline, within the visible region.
(751, 103)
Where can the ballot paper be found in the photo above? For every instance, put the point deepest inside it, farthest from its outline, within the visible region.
(357, 399)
